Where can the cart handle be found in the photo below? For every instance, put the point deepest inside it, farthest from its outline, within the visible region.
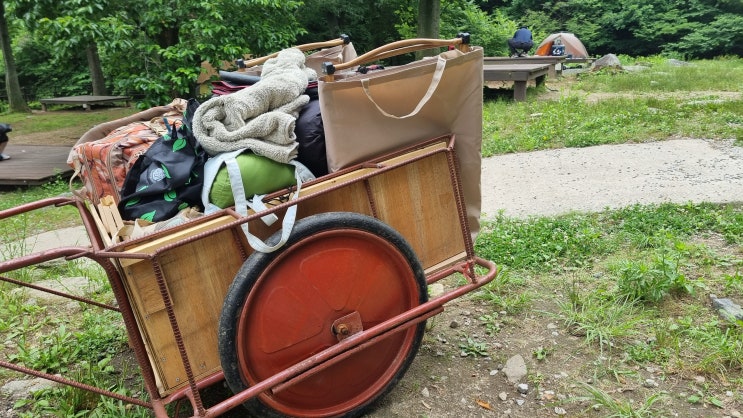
(405, 46)
(342, 40)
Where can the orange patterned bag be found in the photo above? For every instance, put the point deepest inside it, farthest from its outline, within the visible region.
(103, 155)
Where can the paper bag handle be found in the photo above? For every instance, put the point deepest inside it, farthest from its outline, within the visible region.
(404, 46)
(342, 40)
(437, 75)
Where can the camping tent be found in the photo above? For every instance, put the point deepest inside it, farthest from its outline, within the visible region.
(573, 46)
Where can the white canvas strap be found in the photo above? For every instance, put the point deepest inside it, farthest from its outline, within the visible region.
(242, 203)
(437, 75)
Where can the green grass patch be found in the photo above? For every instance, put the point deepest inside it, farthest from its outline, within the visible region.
(633, 283)
(542, 243)
(662, 75)
(576, 240)
(573, 122)
(699, 100)
(54, 120)
(17, 228)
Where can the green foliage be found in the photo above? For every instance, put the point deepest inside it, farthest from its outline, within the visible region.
(491, 323)
(507, 294)
(370, 24)
(473, 348)
(695, 29)
(67, 401)
(174, 41)
(155, 50)
(52, 354)
(722, 35)
(611, 407)
(541, 353)
(43, 73)
(490, 31)
(600, 318)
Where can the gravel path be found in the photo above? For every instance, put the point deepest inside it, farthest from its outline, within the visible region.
(611, 176)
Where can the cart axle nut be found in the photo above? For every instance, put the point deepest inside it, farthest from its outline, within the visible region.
(347, 326)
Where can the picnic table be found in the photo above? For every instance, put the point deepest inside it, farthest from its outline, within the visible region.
(520, 74)
(555, 62)
(85, 100)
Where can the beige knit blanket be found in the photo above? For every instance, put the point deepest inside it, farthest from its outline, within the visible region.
(260, 117)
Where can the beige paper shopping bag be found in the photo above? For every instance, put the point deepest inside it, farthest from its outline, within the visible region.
(371, 114)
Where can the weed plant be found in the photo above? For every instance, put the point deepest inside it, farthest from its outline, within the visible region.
(610, 407)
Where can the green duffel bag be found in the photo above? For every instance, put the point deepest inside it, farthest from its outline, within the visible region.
(260, 175)
(252, 177)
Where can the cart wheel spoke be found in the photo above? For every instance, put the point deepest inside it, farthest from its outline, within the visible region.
(337, 268)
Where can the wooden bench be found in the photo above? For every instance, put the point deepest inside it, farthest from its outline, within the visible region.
(84, 101)
(555, 62)
(518, 73)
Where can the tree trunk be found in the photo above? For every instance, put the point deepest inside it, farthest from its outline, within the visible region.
(15, 95)
(429, 13)
(96, 72)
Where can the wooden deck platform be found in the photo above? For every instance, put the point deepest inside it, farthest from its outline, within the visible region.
(84, 101)
(556, 62)
(31, 165)
(520, 74)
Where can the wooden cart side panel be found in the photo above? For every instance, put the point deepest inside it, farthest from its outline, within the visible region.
(197, 277)
(350, 198)
(418, 201)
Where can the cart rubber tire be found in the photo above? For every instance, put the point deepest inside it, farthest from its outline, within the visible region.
(281, 307)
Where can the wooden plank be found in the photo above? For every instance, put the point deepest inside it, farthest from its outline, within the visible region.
(417, 200)
(555, 62)
(31, 165)
(85, 100)
(197, 277)
(518, 73)
(150, 247)
(514, 72)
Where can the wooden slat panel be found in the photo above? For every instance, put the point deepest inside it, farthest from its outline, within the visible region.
(417, 200)
(197, 277)
(32, 165)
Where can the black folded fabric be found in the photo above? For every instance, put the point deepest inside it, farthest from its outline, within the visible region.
(237, 77)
